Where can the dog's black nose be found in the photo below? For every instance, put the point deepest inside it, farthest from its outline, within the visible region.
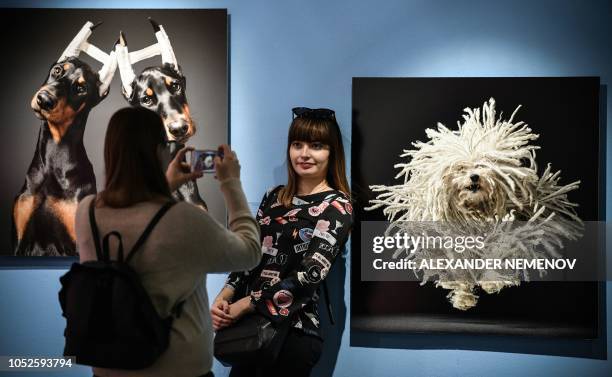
(178, 129)
(474, 177)
(45, 100)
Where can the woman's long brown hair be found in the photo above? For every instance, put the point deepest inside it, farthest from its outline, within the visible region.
(325, 131)
(133, 170)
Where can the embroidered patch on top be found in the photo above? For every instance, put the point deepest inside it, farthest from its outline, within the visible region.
(306, 234)
(339, 207)
(280, 259)
(301, 247)
(338, 226)
(291, 214)
(322, 260)
(267, 246)
(314, 274)
(270, 274)
(283, 298)
(326, 247)
(271, 308)
(317, 210)
(322, 226)
(281, 220)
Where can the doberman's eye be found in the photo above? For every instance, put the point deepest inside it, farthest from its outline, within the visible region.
(146, 100)
(57, 71)
(175, 87)
(81, 89)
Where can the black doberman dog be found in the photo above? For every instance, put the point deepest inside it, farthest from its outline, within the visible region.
(162, 89)
(60, 173)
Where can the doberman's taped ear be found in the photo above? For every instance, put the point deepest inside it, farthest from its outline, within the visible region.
(165, 47)
(126, 59)
(79, 43)
(125, 67)
(106, 73)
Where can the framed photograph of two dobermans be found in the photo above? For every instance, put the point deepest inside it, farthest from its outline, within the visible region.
(66, 72)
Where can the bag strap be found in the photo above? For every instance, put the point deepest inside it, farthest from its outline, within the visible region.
(106, 249)
(143, 237)
(329, 304)
(94, 229)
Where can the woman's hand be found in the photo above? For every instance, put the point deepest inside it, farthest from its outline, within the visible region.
(228, 167)
(241, 307)
(219, 313)
(179, 172)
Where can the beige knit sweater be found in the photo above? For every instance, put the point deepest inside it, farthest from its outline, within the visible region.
(184, 246)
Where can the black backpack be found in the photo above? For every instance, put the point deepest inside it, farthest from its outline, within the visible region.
(110, 319)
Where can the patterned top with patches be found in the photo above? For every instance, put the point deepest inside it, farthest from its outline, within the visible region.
(299, 246)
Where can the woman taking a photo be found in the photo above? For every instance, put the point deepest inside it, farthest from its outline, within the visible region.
(304, 225)
(185, 245)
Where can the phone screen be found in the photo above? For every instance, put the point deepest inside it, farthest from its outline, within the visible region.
(203, 160)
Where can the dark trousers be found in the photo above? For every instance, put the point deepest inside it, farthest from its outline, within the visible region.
(298, 356)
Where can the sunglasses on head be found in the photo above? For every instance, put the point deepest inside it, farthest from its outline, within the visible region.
(305, 112)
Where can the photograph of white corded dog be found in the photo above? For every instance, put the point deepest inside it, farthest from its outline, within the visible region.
(481, 178)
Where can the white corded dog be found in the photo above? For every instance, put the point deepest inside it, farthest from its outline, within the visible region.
(480, 179)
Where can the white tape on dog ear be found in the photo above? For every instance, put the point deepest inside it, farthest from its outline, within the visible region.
(145, 53)
(125, 69)
(167, 52)
(94, 52)
(75, 46)
(107, 72)
(79, 43)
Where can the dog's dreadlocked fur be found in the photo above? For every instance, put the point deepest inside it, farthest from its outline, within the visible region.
(479, 179)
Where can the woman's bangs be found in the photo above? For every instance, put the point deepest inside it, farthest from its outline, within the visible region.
(310, 130)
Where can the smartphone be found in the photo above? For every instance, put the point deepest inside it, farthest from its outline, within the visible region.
(203, 160)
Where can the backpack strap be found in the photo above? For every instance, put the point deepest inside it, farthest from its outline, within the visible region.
(106, 249)
(94, 229)
(143, 237)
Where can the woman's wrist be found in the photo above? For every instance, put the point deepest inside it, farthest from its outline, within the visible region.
(252, 303)
(247, 304)
(226, 294)
(235, 199)
(230, 183)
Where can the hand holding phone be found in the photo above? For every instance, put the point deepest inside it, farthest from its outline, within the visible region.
(227, 164)
(178, 171)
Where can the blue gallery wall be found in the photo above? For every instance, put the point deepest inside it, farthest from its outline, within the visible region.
(290, 52)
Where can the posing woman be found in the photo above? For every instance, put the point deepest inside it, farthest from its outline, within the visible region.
(304, 225)
(183, 247)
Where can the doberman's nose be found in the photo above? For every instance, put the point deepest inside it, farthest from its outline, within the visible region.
(474, 177)
(178, 129)
(45, 100)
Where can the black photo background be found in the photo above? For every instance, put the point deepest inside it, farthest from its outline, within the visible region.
(390, 113)
(33, 40)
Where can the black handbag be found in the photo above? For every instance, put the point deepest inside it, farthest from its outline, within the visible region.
(254, 339)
